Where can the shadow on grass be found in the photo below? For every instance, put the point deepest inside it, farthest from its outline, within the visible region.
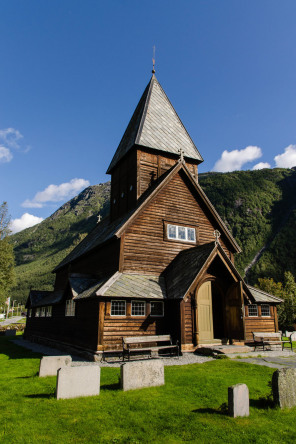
(15, 351)
(111, 386)
(41, 396)
(262, 403)
(28, 377)
(211, 411)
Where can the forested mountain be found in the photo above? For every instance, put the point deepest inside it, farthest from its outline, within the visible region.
(259, 208)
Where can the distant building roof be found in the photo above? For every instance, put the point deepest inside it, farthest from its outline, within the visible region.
(39, 298)
(155, 124)
(262, 296)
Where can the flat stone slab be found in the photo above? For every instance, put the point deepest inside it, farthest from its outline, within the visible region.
(140, 374)
(238, 400)
(284, 387)
(49, 365)
(75, 382)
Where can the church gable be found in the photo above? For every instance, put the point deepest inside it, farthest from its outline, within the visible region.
(148, 246)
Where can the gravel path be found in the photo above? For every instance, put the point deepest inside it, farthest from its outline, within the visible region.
(187, 358)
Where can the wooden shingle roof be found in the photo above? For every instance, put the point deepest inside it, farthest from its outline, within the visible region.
(261, 296)
(155, 124)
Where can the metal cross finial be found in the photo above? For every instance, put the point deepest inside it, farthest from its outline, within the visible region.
(181, 154)
(217, 234)
(99, 218)
(153, 60)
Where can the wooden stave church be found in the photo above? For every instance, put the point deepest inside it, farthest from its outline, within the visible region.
(161, 263)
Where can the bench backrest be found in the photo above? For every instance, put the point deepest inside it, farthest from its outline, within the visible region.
(262, 334)
(146, 339)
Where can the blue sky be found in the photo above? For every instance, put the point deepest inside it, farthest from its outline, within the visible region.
(73, 71)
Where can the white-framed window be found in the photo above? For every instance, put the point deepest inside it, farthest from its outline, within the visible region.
(179, 233)
(30, 313)
(253, 310)
(70, 308)
(118, 308)
(49, 311)
(37, 312)
(156, 308)
(42, 312)
(138, 308)
(265, 310)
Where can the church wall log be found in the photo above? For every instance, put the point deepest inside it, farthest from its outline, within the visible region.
(145, 247)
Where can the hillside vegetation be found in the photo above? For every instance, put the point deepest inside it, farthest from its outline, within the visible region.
(259, 208)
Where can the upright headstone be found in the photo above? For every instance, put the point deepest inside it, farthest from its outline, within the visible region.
(238, 400)
(293, 336)
(284, 387)
(74, 382)
(49, 365)
(139, 374)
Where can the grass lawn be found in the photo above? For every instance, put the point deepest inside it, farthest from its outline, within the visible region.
(191, 407)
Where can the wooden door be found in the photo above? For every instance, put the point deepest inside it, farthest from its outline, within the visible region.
(205, 312)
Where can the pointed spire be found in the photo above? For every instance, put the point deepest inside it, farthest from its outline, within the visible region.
(155, 124)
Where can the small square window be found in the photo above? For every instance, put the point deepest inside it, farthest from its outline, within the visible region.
(37, 312)
(30, 313)
(191, 234)
(42, 314)
(172, 231)
(49, 311)
(253, 310)
(118, 308)
(265, 310)
(138, 308)
(181, 233)
(156, 308)
(70, 308)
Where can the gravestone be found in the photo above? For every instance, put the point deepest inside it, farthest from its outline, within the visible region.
(139, 374)
(49, 365)
(284, 387)
(293, 336)
(75, 382)
(10, 332)
(238, 400)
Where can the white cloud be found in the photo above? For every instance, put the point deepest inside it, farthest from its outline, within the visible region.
(10, 137)
(234, 160)
(56, 193)
(261, 165)
(27, 220)
(5, 154)
(286, 159)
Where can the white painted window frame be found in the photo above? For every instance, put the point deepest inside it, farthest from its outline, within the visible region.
(118, 315)
(265, 315)
(70, 308)
(138, 315)
(253, 315)
(49, 311)
(177, 239)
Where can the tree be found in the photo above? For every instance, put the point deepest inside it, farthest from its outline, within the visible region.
(285, 291)
(7, 275)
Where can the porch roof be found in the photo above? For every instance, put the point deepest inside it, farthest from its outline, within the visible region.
(262, 296)
(39, 298)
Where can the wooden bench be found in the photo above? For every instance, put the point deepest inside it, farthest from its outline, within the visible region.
(149, 344)
(264, 339)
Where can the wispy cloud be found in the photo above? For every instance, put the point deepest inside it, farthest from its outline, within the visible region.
(261, 165)
(234, 160)
(5, 154)
(56, 193)
(287, 159)
(9, 140)
(27, 220)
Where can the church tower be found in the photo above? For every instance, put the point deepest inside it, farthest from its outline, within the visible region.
(153, 142)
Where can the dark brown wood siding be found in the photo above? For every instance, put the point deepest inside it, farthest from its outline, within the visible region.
(145, 249)
(80, 330)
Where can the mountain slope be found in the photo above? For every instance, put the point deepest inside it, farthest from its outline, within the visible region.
(259, 208)
(40, 248)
